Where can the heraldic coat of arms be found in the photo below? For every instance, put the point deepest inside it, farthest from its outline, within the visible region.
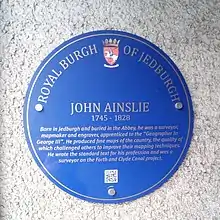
(111, 52)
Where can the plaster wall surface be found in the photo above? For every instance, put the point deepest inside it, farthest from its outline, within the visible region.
(188, 31)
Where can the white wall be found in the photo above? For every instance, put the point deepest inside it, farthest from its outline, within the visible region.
(188, 31)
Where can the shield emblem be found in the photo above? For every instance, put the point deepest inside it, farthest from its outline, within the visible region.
(111, 54)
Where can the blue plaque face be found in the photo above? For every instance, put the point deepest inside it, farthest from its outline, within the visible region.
(108, 117)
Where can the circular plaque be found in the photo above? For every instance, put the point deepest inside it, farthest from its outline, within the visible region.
(108, 117)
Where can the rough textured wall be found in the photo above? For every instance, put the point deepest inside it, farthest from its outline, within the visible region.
(188, 31)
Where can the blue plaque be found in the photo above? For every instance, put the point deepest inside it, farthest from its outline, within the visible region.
(108, 117)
